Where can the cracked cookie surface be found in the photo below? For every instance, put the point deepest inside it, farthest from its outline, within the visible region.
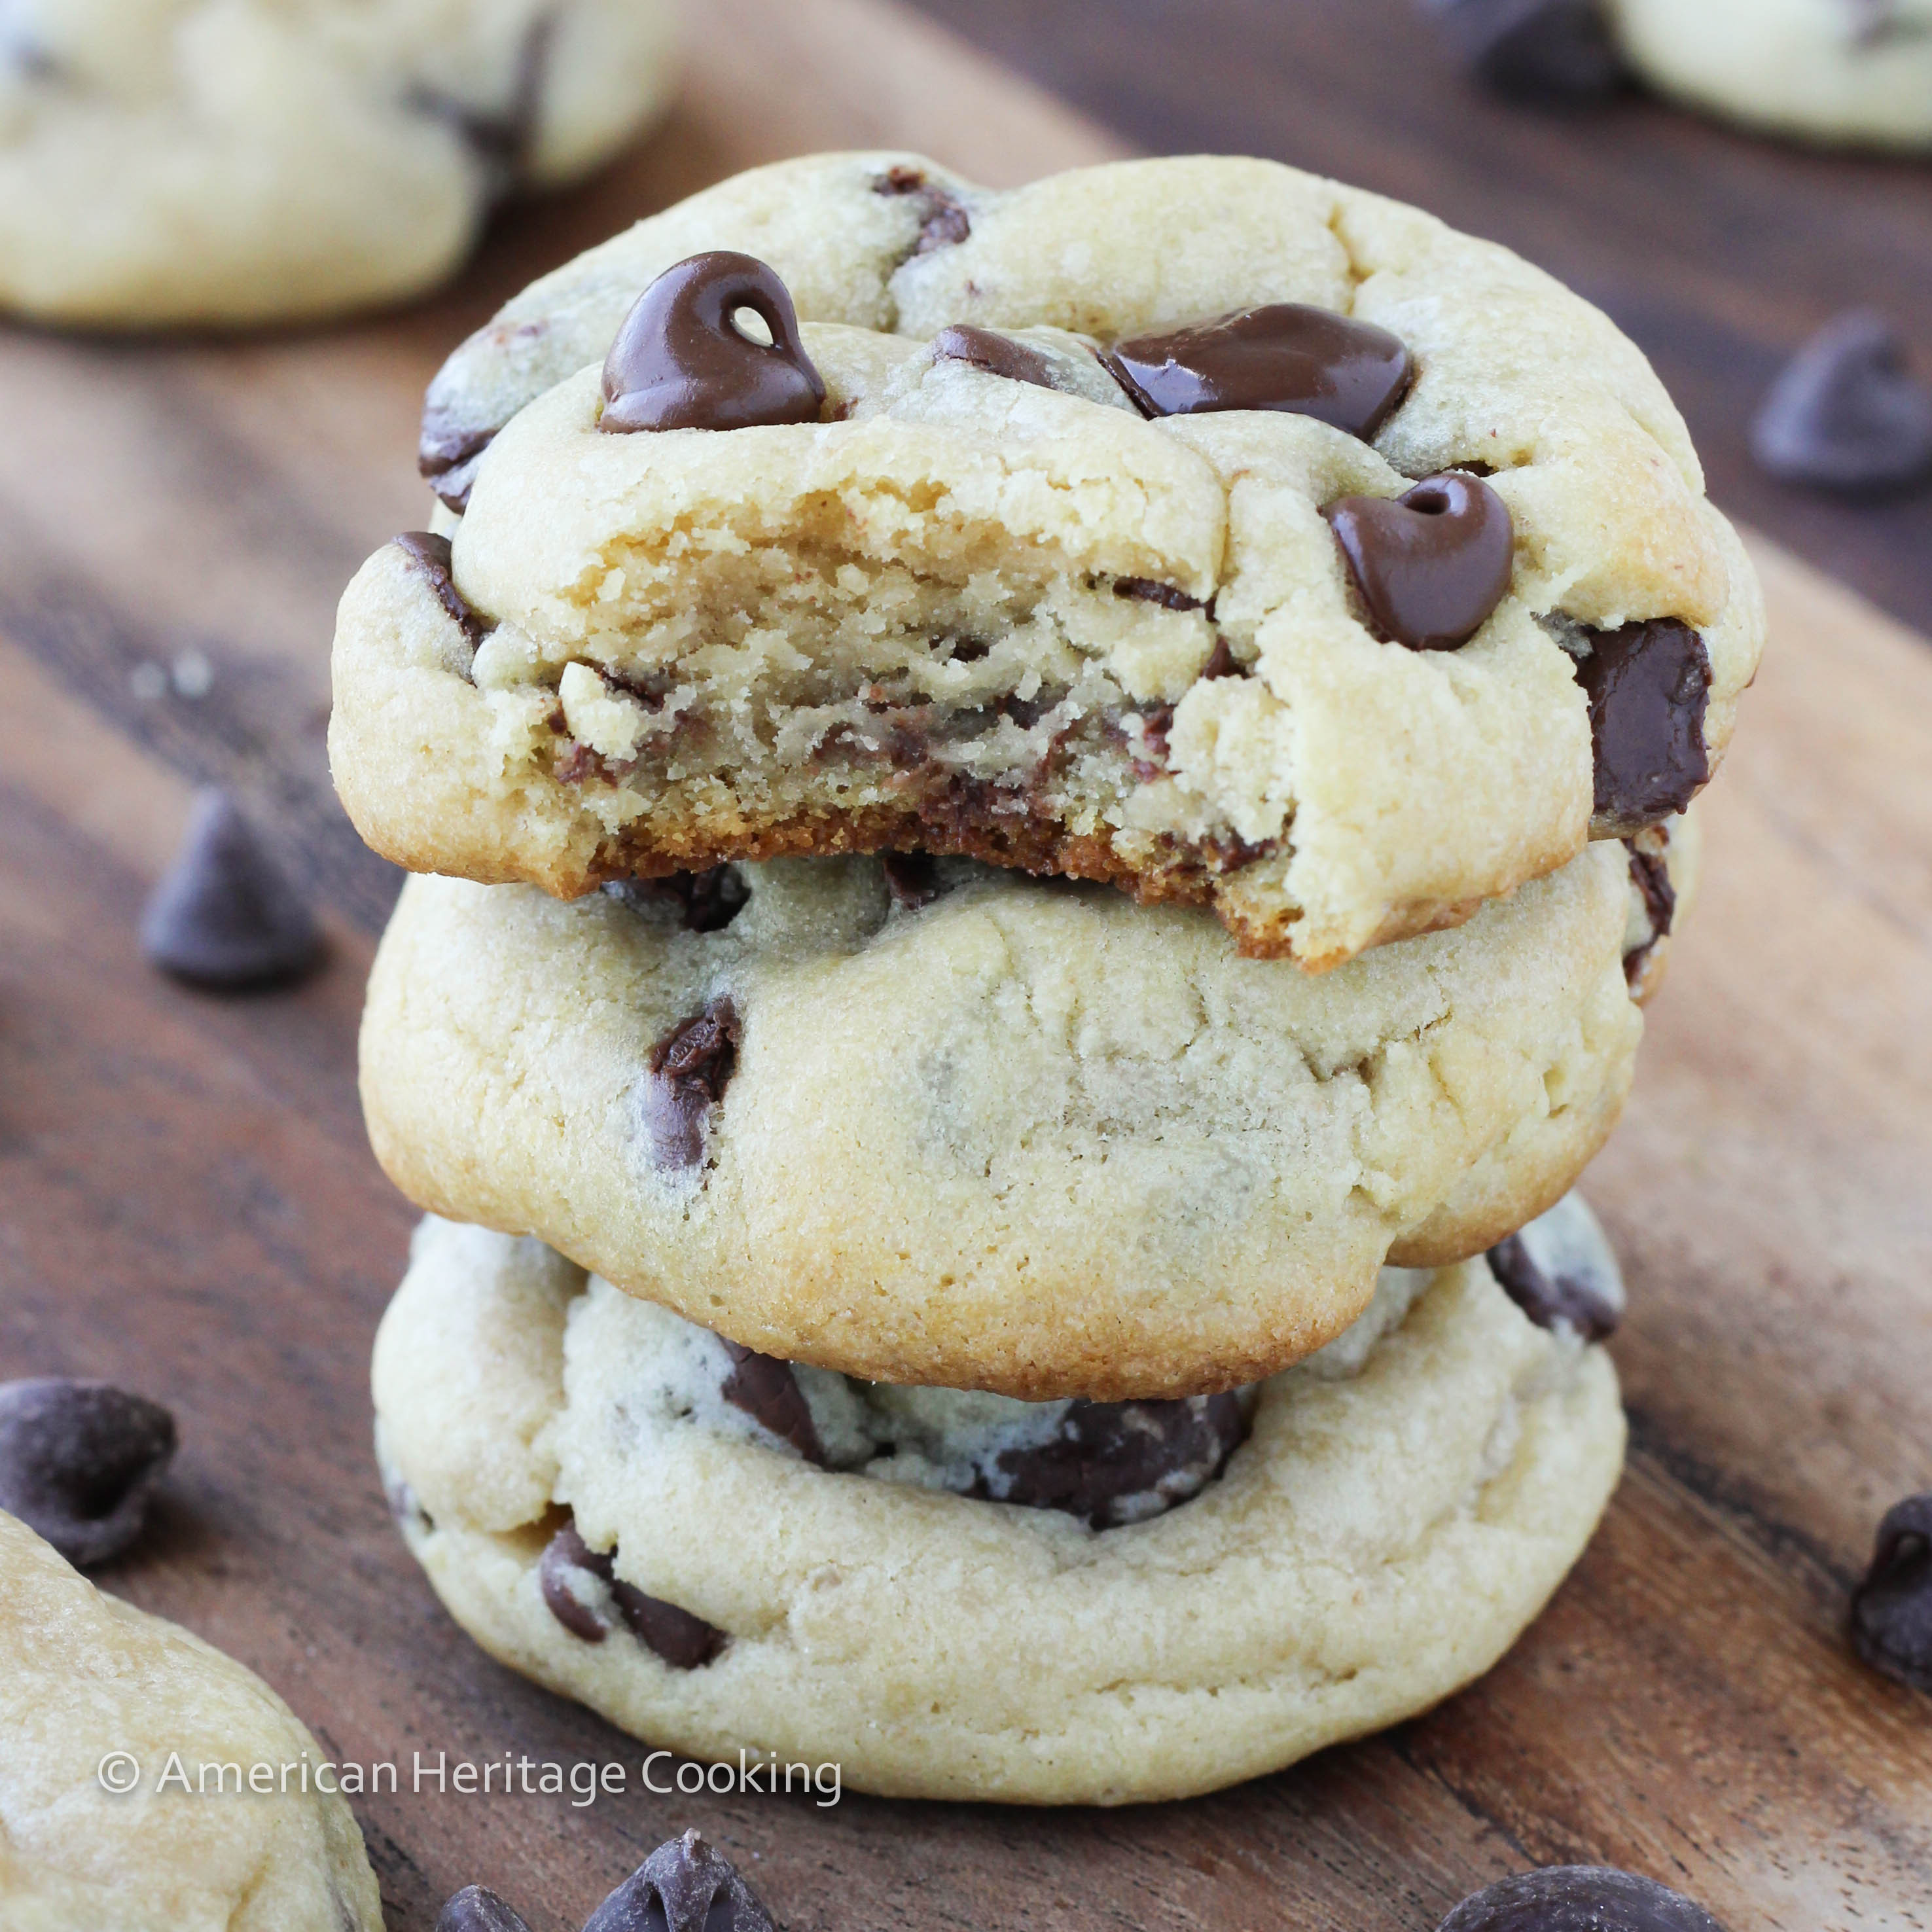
(1401, 1507)
(985, 604)
(234, 161)
(83, 1675)
(933, 1122)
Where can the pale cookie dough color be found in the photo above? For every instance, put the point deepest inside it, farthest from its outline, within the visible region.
(953, 1597)
(1854, 72)
(83, 1677)
(234, 161)
(1197, 525)
(933, 1122)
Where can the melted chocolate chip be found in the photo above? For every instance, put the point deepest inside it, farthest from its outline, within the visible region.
(1845, 413)
(501, 139)
(431, 558)
(1221, 661)
(1150, 590)
(226, 917)
(1559, 49)
(680, 362)
(997, 355)
(945, 224)
(1650, 874)
(683, 1641)
(912, 878)
(688, 1071)
(477, 1908)
(78, 1461)
(1578, 1898)
(765, 1389)
(709, 900)
(1648, 685)
(1892, 1609)
(1431, 564)
(1286, 356)
(447, 457)
(1113, 1462)
(1554, 1298)
(683, 1886)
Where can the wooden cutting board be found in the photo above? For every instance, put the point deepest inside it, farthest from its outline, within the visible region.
(187, 1205)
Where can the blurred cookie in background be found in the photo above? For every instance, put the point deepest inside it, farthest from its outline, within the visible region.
(183, 162)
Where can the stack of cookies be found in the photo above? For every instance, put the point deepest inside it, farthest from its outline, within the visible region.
(1044, 817)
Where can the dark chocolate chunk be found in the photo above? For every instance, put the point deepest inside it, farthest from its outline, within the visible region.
(431, 557)
(687, 1072)
(1149, 590)
(476, 1909)
(1285, 355)
(709, 900)
(1554, 1297)
(1552, 50)
(1891, 1609)
(1431, 564)
(225, 916)
(680, 361)
(683, 1886)
(683, 1641)
(78, 1461)
(765, 1389)
(912, 878)
(1578, 1898)
(1648, 685)
(997, 355)
(1650, 874)
(1111, 1460)
(1845, 412)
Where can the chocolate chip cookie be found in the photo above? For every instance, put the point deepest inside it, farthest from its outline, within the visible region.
(1195, 526)
(107, 1713)
(954, 1595)
(929, 1121)
(227, 161)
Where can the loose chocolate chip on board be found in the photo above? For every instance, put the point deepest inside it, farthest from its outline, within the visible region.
(1648, 685)
(1845, 412)
(1891, 1609)
(225, 916)
(997, 355)
(912, 878)
(1553, 49)
(683, 1886)
(765, 1389)
(1552, 1295)
(1578, 1898)
(79, 1462)
(1431, 564)
(686, 1075)
(1114, 1463)
(1284, 356)
(476, 1909)
(431, 557)
(681, 362)
(709, 900)
(683, 1641)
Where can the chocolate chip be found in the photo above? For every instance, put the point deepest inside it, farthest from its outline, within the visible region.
(1559, 1270)
(1650, 875)
(1221, 661)
(683, 1886)
(1648, 685)
(1891, 1609)
(476, 1909)
(912, 878)
(1845, 412)
(78, 1461)
(500, 138)
(765, 1389)
(709, 900)
(225, 916)
(997, 355)
(945, 222)
(431, 557)
(1578, 1898)
(683, 1641)
(1431, 564)
(1285, 356)
(1550, 49)
(447, 455)
(1115, 1463)
(680, 361)
(687, 1070)
(1149, 590)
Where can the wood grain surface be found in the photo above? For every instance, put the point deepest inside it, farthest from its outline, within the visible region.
(187, 1204)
